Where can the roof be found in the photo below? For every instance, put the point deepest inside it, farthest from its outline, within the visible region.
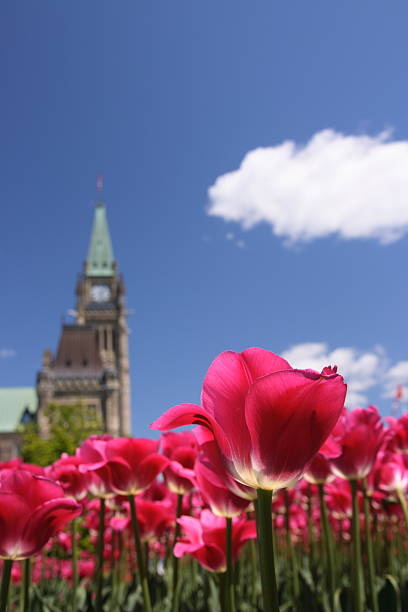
(77, 354)
(100, 260)
(13, 403)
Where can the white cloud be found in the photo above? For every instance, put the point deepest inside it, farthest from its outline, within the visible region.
(362, 370)
(397, 375)
(6, 352)
(336, 184)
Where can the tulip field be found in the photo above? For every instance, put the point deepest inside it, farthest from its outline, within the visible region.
(277, 499)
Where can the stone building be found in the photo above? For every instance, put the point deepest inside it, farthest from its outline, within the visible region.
(91, 364)
(17, 406)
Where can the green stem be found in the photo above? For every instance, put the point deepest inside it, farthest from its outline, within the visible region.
(230, 594)
(357, 576)
(403, 502)
(175, 561)
(74, 562)
(222, 591)
(310, 524)
(139, 554)
(369, 547)
(266, 553)
(328, 545)
(5, 583)
(291, 552)
(99, 554)
(25, 587)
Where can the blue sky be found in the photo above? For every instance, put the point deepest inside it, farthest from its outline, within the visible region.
(163, 98)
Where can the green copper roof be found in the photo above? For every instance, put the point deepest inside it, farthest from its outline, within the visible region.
(100, 260)
(13, 402)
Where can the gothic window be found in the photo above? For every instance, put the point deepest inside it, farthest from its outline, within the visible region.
(105, 339)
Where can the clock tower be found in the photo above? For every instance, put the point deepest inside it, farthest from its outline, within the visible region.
(91, 365)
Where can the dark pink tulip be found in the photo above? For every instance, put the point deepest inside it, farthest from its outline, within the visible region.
(181, 450)
(391, 474)
(220, 499)
(32, 510)
(319, 470)
(338, 498)
(267, 418)
(129, 464)
(66, 472)
(211, 458)
(155, 518)
(18, 464)
(360, 434)
(92, 459)
(397, 434)
(205, 539)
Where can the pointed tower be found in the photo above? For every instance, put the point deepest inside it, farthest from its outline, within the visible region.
(92, 361)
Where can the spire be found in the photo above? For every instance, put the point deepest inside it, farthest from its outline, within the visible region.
(100, 260)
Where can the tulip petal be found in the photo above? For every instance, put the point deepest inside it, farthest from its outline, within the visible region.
(261, 362)
(191, 414)
(224, 390)
(290, 414)
(45, 522)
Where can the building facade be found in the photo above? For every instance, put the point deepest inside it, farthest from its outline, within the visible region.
(91, 364)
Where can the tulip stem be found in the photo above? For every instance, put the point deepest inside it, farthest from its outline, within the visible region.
(5, 583)
(266, 553)
(328, 544)
(175, 579)
(369, 547)
(403, 503)
(74, 562)
(140, 557)
(290, 550)
(99, 553)
(230, 594)
(25, 586)
(357, 576)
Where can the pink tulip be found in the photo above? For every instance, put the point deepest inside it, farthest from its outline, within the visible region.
(397, 434)
(66, 472)
(392, 473)
(92, 458)
(220, 499)
(181, 450)
(267, 418)
(155, 518)
(133, 464)
(32, 510)
(360, 434)
(205, 539)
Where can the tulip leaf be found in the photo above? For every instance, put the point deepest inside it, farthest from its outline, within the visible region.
(389, 596)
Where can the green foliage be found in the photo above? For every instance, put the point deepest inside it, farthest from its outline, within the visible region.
(68, 427)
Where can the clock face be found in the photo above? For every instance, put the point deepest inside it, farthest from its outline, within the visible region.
(100, 293)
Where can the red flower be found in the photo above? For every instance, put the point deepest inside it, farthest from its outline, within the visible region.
(391, 473)
(32, 510)
(225, 496)
(319, 470)
(360, 434)
(267, 418)
(397, 434)
(66, 472)
(154, 518)
(205, 539)
(129, 465)
(181, 449)
(92, 458)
